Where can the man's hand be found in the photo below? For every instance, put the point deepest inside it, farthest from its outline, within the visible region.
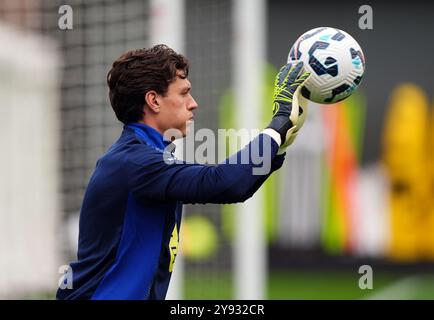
(288, 114)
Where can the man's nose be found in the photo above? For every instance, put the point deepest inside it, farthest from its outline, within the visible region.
(193, 104)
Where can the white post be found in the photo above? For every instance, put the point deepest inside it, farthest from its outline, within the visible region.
(168, 24)
(168, 27)
(29, 164)
(249, 58)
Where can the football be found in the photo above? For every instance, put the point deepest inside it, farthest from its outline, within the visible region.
(335, 60)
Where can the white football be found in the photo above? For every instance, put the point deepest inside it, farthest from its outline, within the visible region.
(334, 59)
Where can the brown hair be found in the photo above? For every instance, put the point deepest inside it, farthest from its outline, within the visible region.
(136, 72)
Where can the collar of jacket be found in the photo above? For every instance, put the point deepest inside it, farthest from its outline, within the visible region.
(151, 137)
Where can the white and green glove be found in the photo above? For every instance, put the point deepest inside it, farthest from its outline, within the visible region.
(289, 106)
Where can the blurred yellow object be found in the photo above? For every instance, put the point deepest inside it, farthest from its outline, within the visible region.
(405, 136)
(405, 156)
(199, 237)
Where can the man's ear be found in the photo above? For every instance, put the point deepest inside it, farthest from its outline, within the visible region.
(151, 100)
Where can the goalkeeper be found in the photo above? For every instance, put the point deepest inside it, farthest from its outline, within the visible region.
(131, 212)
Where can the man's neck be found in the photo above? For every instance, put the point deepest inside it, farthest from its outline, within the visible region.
(151, 124)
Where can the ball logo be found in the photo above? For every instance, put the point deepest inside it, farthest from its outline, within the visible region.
(317, 66)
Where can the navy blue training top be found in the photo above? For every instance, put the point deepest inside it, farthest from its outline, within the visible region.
(131, 212)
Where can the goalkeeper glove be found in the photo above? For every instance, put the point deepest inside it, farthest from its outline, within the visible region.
(288, 114)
